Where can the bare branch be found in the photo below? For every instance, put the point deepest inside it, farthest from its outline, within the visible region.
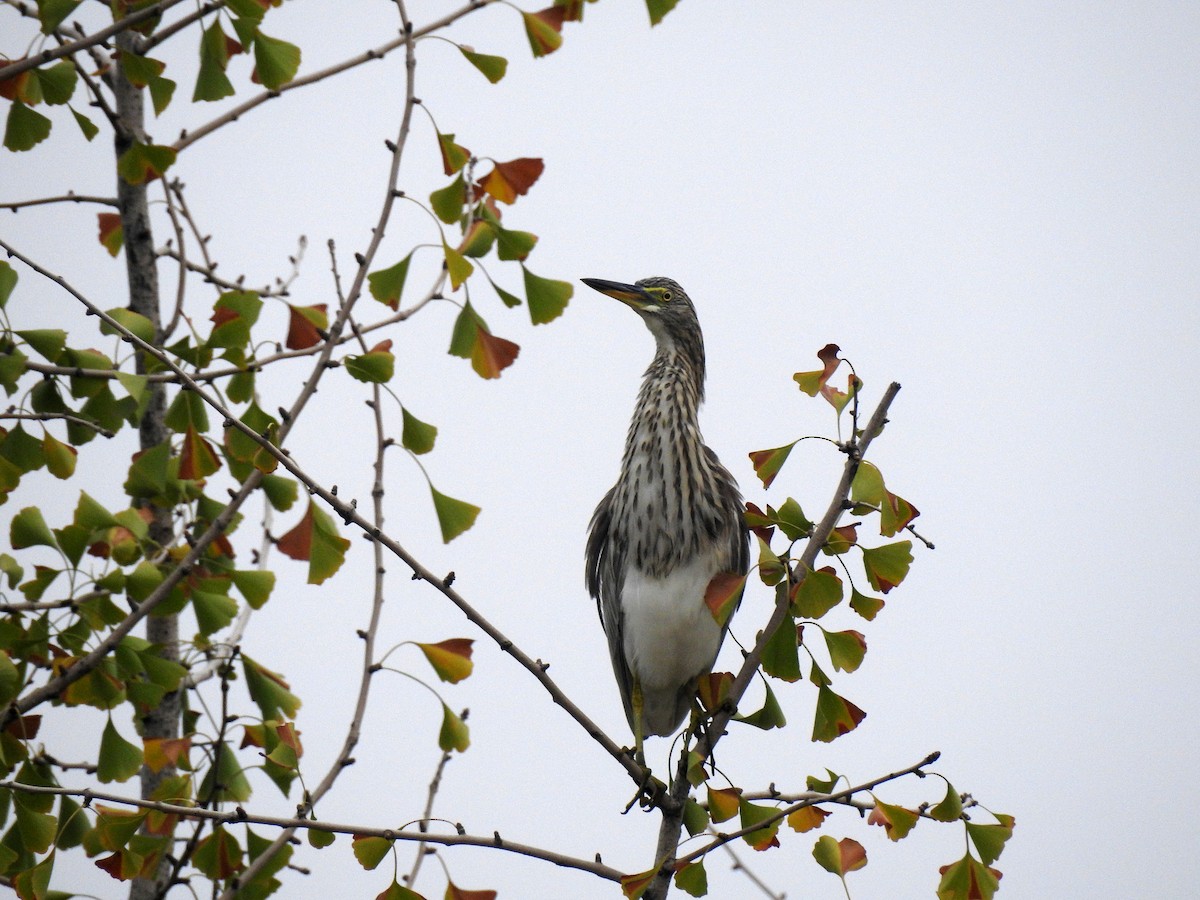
(49, 416)
(68, 197)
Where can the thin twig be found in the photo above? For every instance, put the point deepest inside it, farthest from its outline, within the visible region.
(68, 197)
(65, 417)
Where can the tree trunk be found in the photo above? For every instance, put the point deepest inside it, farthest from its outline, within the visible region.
(163, 631)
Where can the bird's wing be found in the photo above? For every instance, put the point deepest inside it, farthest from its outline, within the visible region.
(605, 573)
(738, 548)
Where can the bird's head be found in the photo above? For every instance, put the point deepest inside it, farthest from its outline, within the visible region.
(663, 305)
(668, 312)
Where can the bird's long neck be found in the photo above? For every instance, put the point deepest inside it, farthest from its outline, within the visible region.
(665, 464)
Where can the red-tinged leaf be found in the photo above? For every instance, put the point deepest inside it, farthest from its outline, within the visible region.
(478, 240)
(835, 716)
(492, 355)
(23, 728)
(633, 886)
(197, 459)
(512, 179)
(713, 689)
(770, 567)
(968, 879)
(305, 324)
(111, 234)
(397, 891)
(219, 855)
(989, 840)
(817, 593)
(897, 821)
(839, 857)
(887, 565)
(315, 539)
(34, 882)
(723, 803)
(812, 382)
(451, 658)
(454, 156)
(841, 540)
(767, 463)
(120, 865)
(15, 87)
(454, 892)
(846, 649)
(895, 514)
(751, 814)
(723, 594)
(807, 818)
(163, 752)
(759, 523)
(543, 30)
(838, 399)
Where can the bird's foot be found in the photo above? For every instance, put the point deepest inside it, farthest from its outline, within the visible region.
(649, 793)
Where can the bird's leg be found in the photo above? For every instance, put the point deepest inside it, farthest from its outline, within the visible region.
(650, 787)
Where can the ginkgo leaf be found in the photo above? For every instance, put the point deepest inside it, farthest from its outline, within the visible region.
(212, 83)
(835, 716)
(846, 649)
(635, 885)
(218, 855)
(781, 653)
(457, 265)
(767, 463)
(897, 821)
(692, 879)
(386, 285)
(866, 606)
(723, 594)
(275, 61)
(270, 692)
(819, 592)
(887, 565)
(454, 516)
(416, 435)
(144, 162)
(547, 297)
(512, 179)
(516, 245)
(989, 840)
(451, 658)
(52, 13)
(454, 734)
(447, 202)
(658, 9)
(769, 716)
(543, 30)
(950, 809)
(807, 818)
(812, 382)
(492, 67)
(197, 459)
(25, 128)
(968, 879)
(750, 814)
(723, 803)
(305, 326)
(119, 760)
(315, 539)
(454, 892)
(839, 857)
(376, 366)
(60, 457)
(454, 156)
(489, 354)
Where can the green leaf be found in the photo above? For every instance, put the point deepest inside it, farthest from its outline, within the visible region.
(770, 716)
(968, 879)
(269, 691)
(224, 781)
(57, 82)
(10, 679)
(416, 435)
(86, 125)
(25, 128)
(51, 13)
(835, 716)
(320, 839)
(255, 585)
(447, 202)
(846, 649)
(386, 285)
(370, 851)
(60, 457)
(457, 265)
(780, 657)
(771, 568)
(767, 463)
(119, 760)
(887, 565)
(791, 520)
(11, 569)
(8, 281)
(133, 322)
(692, 879)
(23, 450)
(516, 245)
(213, 611)
(749, 815)
(658, 9)
(839, 857)
(454, 156)
(492, 67)
(454, 734)
(989, 840)
(454, 516)
(219, 855)
(29, 529)
(374, 367)
(547, 298)
(187, 411)
(819, 592)
(275, 61)
(144, 162)
(48, 342)
(866, 606)
(695, 818)
(950, 809)
(281, 492)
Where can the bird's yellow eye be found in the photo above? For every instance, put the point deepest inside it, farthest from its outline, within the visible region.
(666, 296)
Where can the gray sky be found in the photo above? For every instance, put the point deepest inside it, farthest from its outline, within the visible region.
(996, 206)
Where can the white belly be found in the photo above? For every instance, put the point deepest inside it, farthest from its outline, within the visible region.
(670, 637)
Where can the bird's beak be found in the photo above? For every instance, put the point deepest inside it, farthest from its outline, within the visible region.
(629, 294)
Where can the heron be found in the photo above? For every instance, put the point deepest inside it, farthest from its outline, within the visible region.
(670, 524)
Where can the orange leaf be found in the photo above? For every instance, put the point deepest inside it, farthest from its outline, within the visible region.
(492, 355)
(509, 180)
(723, 594)
(111, 234)
(197, 459)
(305, 325)
(454, 892)
(297, 543)
(812, 382)
(713, 688)
(807, 818)
(163, 752)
